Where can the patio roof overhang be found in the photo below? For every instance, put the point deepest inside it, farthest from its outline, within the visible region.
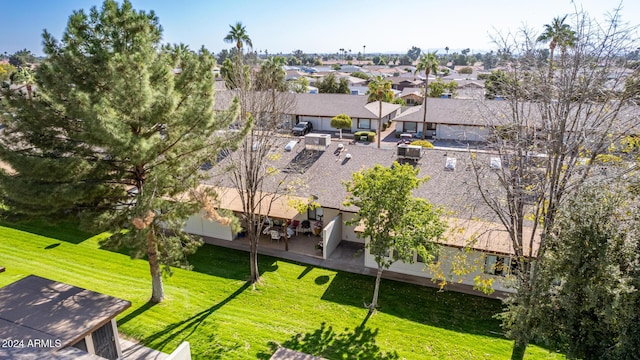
(280, 204)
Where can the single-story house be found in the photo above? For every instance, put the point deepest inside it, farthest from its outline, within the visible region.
(451, 188)
(320, 108)
(452, 119)
(411, 96)
(400, 83)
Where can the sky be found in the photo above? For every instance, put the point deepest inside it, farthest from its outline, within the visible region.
(282, 26)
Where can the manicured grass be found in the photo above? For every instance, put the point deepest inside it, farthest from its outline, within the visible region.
(301, 307)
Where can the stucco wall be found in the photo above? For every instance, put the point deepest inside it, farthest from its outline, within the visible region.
(472, 260)
(197, 224)
(331, 235)
(348, 232)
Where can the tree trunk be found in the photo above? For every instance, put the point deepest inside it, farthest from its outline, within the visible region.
(340, 133)
(379, 123)
(376, 291)
(519, 347)
(552, 47)
(253, 259)
(157, 289)
(424, 102)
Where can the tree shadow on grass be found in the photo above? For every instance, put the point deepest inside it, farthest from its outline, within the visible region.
(64, 231)
(130, 316)
(359, 343)
(228, 263)
(187, 327)
(421, 304)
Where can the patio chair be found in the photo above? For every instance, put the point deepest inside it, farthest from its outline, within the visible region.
(295, 225)
(275, 235)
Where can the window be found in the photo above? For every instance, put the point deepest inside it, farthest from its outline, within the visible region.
(312, 214)
(364, 123)
(431, 126)
(410, 127)
(495, 265)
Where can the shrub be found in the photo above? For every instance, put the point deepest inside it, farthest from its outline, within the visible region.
(465, 70)
(369, 134)
(483, 76)
(424, 143)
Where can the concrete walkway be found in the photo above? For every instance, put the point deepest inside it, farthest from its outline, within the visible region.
(134, 351)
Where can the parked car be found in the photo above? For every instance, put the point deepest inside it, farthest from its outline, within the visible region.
(302, 128)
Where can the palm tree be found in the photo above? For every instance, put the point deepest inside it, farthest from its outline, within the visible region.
(427, 63)
(380, 90)
(238, 35)
(557, 34)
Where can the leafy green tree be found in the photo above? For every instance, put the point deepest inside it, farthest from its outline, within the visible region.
(361, 75)
(22, 58)
(222, 56)
(238, 36)
(380, 90)
(119, 150)
(301, 85)
(24, 76)
(330, 85)
(465, 70)
(589, 277)
(557, 34)
(438, 87)
(414, 53)
(341, 121)
(6, 70)
(405, 60)
(497, 84)
(429, 64)
(396, 224)
(228, 72)
(489, 60)
(272, 75)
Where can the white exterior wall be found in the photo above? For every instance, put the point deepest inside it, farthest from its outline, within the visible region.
(331, 235)
(182, 352)
(319, 123)
(348, 232)
(462, 132)
(198, 224)
(474, 261)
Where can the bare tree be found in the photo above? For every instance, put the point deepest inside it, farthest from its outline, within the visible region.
(264, 101)
(550, 133)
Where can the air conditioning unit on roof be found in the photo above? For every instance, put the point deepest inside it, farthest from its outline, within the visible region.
(318, 142)
(409, 152)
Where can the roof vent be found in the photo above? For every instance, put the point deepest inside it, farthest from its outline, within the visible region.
(495, 163)
(450, 164)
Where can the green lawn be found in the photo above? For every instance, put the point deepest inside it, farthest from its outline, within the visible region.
(305, 308)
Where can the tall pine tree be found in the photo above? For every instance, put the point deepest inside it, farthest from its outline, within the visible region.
(115, 136)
